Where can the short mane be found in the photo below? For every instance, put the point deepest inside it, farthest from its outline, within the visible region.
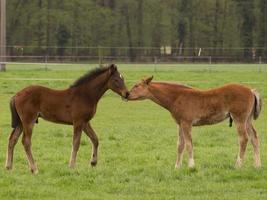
(89, 76)
(173, 83)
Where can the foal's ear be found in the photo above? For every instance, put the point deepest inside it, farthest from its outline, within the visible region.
(113, 68)
(148, 80)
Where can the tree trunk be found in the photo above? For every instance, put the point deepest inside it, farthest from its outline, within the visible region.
(3, 35)
(215, 27)
(113, 51)
(40, 26)
(48, 36)
(246, 30)
(191, 36)
(182, 25)
(262, 35)
(129, 33)
(140, 36)
(221, 35)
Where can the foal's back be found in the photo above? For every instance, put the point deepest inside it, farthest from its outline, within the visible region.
(232, 97)
(224, 94)
(213, 105)
(38, 101)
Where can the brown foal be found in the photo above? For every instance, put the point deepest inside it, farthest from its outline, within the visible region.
(193, 107)
(75, 106)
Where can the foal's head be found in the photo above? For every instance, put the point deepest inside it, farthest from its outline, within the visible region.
(140, 90)
(116, 82)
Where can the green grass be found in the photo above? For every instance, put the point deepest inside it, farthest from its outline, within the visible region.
(137, 142)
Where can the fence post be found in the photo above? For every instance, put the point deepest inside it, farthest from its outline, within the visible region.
(210, 59)
(3, 35)
(99, 55)
(45, 60)
(260, 60)
(155, 63)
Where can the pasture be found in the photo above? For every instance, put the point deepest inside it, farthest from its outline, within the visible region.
(137, 149)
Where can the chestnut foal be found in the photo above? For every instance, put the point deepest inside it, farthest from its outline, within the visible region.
(75, 106)
(192, 107)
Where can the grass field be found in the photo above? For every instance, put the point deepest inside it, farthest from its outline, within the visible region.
(137, 142)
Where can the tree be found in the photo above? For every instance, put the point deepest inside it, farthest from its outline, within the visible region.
(3, 34)
(48, 27)
(62, 36)
(246, 10)
(126, 15)
(216, 25)
(262, 27)
(140, 27)
(182, 24)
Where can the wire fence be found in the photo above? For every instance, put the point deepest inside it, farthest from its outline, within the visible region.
(124, 59)
(164, 54)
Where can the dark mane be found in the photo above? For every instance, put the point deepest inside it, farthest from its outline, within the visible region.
(89, 76)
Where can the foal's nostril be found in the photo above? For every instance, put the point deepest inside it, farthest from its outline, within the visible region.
(127, 94)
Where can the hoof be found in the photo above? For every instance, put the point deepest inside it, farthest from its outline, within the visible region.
(237, 166)
(34, 171)
(8, 168)
(191, 163)
(257, 165)
(238, 163)
(178, 165)
(71, 166)
(93, 163)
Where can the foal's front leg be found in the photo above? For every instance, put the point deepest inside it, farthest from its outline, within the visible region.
(77, 131)
(180, 148)
(186, 129)
(93, 137)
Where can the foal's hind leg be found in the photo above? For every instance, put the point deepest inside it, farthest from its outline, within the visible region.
(77, 131)
(13, 139)
(93, 137)
(243, 140)
(26, 141)
(255, 143)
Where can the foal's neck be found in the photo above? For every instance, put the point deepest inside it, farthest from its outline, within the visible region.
(164, 94)
(95, 89)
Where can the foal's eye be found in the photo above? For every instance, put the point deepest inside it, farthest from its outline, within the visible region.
(117, 82)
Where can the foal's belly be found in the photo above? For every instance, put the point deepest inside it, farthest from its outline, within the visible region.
(58, 121)
(56, 117)
(210, 119)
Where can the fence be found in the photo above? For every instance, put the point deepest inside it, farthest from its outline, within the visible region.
(163, 54)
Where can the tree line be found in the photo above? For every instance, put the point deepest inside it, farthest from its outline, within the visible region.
(69, 27)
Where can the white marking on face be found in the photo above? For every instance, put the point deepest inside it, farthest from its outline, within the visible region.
(121, 76)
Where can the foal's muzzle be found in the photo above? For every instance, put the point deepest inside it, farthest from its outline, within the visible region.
(125, 96)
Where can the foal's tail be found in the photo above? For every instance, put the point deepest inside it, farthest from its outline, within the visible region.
(15, 120)
(257, 104)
